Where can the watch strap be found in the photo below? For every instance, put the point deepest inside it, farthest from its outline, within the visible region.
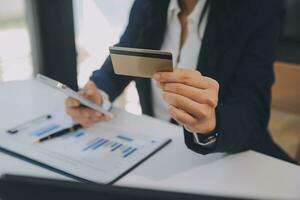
(205, 140)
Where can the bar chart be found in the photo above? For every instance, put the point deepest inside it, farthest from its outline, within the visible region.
(100, 153)
(117, 145)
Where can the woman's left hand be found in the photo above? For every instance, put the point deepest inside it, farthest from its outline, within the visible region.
(192, 98)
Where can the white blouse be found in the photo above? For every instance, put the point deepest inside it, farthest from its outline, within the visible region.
(189, 52)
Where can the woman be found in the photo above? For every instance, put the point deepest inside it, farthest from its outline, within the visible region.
(220, 91)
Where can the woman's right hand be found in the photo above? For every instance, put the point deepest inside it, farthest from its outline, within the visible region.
(84, 115)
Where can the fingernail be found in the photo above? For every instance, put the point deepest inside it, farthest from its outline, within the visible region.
(89, 92)
(98, 114)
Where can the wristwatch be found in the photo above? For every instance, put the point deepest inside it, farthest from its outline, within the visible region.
(205, 140)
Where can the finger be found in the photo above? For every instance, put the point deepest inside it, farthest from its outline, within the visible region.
(88, 121)
(97, 116)
(84, 122)
(91, 92)
(93, 95)
(86, 113)
(181, 116)
(195, 109)
(157, 84)
(100, 117)
(198, 95)
(188, 77)
(82, 112)
(71, 102)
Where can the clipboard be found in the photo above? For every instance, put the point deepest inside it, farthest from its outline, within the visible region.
(102, 154)
(77, 178)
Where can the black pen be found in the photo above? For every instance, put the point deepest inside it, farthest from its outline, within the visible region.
(60, 133)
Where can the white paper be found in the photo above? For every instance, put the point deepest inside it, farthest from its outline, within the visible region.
(99, 154)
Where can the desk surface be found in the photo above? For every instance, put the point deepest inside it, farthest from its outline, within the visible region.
(248, 174)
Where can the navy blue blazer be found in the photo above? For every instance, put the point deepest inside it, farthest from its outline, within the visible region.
(238, 51)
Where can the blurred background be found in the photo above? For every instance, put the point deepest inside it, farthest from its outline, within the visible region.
(98, 24)
(69, 39)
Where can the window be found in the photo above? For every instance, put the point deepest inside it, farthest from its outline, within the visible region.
(15, 50)
(98, 25)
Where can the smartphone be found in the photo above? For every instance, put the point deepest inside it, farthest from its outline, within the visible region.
(71, 93)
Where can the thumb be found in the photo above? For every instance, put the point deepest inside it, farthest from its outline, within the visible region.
(91, 92)
(89, 89)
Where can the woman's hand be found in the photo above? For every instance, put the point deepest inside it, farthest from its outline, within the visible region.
(192, 98)
(83, 115)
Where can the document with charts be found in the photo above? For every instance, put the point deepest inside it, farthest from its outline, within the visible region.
(100, 154)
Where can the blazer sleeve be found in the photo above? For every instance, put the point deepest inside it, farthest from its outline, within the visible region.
(242, 118)
(105, 78)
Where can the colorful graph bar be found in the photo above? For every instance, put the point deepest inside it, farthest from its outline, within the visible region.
(114, 144)
(124, 138)
(108, 143)
(130, 152)
(129, 148)
(111, 145)
(115, 148)
(99, 144)
(78, 133)
(90, 144)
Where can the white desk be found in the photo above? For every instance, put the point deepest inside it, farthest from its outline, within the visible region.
(174, 168)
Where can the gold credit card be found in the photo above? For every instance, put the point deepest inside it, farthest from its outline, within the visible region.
(140, 62)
